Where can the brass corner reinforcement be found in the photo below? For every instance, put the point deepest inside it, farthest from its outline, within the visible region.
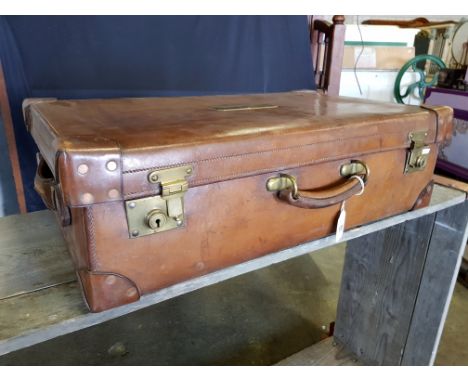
(146, 216)
(418, 154)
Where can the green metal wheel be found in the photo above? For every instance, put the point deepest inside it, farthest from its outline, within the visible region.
(418, 88)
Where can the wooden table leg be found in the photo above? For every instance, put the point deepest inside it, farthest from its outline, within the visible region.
(396, 288)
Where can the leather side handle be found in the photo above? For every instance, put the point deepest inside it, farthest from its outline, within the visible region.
(50, 192)
(356, 174)
(44, 183)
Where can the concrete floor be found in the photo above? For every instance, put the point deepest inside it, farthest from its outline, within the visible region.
(255, 319)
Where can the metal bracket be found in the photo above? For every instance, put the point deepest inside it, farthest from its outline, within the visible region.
(418, 154)
(146, 216)
(279, 183)
(285, 181)
(355, 167)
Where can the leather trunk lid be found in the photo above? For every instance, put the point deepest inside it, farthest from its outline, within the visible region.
(223, 137)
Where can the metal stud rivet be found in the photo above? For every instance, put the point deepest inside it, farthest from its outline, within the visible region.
(87, 198)
(131, 205)
(83, 169)
(110, 279)
(135, 233)
(189, 171)
(113, 193)
(154, 178)
(111, 165)
(179, 222)
(131, 292)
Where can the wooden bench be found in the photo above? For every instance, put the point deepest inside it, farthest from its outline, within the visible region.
(398, 278)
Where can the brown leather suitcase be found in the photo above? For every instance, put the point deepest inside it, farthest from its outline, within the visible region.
(154, 191)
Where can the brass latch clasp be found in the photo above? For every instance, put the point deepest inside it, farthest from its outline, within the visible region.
(163, 212)
(418, 153)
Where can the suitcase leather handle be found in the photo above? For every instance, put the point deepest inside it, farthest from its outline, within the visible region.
(44, 183)
(50, 192)
(288, 191)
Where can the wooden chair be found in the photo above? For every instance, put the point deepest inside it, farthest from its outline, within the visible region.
(327, 47)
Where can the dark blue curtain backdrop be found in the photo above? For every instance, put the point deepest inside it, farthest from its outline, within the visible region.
(125, 56)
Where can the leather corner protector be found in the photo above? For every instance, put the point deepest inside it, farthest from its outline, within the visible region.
(89, 171)
(27, 102)
(106, 290)
(424, 197)
(444, 115)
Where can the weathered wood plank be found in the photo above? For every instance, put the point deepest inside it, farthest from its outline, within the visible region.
(258, 318)
(379, 286)
(323, 353)
(28, 335)
(35, 310)
(449, 182)
(33, 254)
(438, 281)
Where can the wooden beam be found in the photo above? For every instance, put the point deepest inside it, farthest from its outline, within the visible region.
(379, 286)
(397, 286)
(443, 259)
(5, 113)
(452, 183)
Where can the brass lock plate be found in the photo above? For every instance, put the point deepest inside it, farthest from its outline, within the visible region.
(146, 216)
(159, 213)
(418, 154)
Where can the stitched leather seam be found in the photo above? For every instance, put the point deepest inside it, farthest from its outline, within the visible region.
(254, 153)
(91, 237)
(266, 170)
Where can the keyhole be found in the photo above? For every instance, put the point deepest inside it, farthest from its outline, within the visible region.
(156, 219)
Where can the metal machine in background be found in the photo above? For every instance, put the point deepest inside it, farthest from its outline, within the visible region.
(441, 59)
(450, 44)
(451, 89)
(440, 68)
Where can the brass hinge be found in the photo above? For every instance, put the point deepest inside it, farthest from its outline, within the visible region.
(163, 212)
(418, 154)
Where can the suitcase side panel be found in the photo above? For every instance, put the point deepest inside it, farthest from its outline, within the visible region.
(238, 220)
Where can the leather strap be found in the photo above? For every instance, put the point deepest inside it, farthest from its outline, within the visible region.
(432, 110)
